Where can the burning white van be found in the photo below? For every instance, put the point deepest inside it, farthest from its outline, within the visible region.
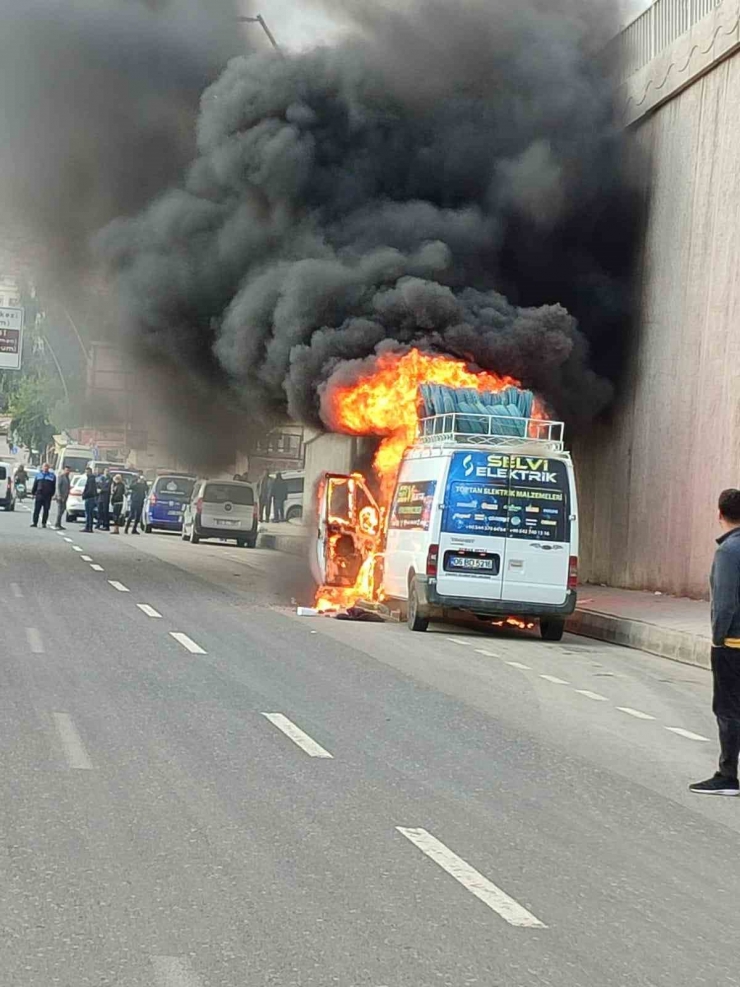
(483, 519)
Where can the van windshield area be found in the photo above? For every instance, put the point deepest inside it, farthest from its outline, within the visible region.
(513, 496)
(223, 493)
(76, 463)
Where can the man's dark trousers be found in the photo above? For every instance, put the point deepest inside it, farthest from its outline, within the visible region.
(42, 504)
(104, 510)
(726, 706)
(89, 513)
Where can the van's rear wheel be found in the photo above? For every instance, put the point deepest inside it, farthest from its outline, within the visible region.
(194, 539)
(551, 629)
(414, 619)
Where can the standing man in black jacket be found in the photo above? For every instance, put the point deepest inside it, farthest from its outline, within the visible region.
(725, 585)
(89, 499)
(137, 496)
(104, 482)
(44, 488)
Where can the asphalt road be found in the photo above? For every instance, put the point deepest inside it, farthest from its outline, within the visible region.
(455, 808)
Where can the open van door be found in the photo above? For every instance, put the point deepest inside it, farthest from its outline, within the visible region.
(349, 523)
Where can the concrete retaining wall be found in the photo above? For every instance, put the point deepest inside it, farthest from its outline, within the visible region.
(649, 477)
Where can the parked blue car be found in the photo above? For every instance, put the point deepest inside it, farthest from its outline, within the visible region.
(167, 498)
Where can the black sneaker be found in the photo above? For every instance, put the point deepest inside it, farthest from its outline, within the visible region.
(34, 526)
(716, 785)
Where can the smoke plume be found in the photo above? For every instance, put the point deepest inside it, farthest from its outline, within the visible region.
(447, 175)
(450, 176)
(98, 100)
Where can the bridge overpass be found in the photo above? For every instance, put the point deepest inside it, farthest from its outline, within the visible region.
(650, 474)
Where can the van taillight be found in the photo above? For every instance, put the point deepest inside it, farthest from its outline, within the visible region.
(573, 572)
(432, 558)
(199, 505)
(153, 500)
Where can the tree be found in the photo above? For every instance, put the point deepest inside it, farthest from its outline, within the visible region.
(29, 407)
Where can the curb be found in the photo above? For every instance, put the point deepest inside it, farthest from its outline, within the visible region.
(690, 649)
(290, 544)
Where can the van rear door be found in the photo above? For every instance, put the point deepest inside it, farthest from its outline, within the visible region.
(472, 540)
(348, 529)
(536, 561)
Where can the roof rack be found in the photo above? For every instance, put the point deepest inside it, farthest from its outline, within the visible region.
(486, 430)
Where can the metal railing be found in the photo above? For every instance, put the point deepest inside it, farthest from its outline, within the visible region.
(474, 429)
(656, 29)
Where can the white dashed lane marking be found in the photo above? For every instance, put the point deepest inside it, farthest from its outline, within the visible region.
(187, 642)
(97, 568)
(119, 586)
(74, 749)
(86, 558)
(76, 548)
(174, 971)
(501, 903)
(306, 743)
(638, 714)
(595, 696)
(149, 611)
(70, 540)
(592, 695)
(688, 734)
(35, 644)
(16, 590)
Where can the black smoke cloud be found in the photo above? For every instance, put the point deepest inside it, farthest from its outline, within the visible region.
(450, 176)
(98, 101)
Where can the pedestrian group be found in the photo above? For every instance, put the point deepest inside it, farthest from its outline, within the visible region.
(104, 497)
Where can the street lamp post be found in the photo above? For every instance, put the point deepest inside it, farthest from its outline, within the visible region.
(259, 19)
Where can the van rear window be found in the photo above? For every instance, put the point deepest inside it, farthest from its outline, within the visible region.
(174, 486)
(3, 473)
(234, 493)
(514, 496)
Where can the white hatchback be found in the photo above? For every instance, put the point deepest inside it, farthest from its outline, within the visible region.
(221, 509)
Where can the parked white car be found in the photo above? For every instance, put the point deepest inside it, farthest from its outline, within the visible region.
(221, 509)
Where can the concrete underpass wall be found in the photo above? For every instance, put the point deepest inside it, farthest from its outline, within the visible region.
(649, 478)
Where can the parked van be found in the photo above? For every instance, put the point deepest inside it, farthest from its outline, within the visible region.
(221, 509)
(7, 489)
(165, 505)
(76, 457)
(294, 481)
(485, 524)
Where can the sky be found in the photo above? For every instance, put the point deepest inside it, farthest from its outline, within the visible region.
(302, 24)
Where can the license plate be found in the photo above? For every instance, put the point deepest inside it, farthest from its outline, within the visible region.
(461, 562)
(225, 523)
(174, 513)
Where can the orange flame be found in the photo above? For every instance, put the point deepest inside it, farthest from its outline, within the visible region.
(384, 402)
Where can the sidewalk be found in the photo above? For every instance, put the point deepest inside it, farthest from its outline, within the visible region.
(669, 626)
(290, 537)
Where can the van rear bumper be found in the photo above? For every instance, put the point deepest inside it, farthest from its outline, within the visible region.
(430, 601)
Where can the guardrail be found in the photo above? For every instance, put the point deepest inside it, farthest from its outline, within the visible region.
(656, 29)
